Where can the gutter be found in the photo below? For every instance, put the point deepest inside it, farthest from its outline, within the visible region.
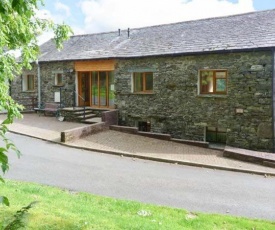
(122, 57)
(273, 99)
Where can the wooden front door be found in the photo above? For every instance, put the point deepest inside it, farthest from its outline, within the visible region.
(100, 89)
(96, 89)
(103, 89)
(84, 89)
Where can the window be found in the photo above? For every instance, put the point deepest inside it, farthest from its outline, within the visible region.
(28, 83)
(144, 126)
(58, 79)
(217, 135)
(143, 82)
(213, 82)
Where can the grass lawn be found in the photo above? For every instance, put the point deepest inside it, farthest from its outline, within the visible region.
(62, 209)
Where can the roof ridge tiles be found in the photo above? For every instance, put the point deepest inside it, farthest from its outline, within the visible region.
(180, 22)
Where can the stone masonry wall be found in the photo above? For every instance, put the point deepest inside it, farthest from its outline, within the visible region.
(48, 88)
(25, 98)
(48, 72)
(176, 108)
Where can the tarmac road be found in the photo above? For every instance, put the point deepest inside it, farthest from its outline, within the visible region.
(191, 188)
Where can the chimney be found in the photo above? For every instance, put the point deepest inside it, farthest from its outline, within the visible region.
(128, 32)
(119, 32)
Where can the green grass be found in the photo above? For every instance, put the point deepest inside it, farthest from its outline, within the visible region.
(61, 209)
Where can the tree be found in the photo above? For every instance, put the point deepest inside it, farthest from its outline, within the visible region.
(20, 28)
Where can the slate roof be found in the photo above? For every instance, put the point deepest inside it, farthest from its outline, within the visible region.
(248, 31)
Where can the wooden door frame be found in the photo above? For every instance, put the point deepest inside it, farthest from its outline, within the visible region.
(79, 94)
(80, 103)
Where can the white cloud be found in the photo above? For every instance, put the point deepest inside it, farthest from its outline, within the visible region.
(107, 15)
(63, 8)
(44, 14)
(63, 13)
(45, 37)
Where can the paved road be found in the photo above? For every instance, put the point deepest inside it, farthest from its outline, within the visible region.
(195, 189)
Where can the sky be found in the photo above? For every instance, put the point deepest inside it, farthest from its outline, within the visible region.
(95, 16)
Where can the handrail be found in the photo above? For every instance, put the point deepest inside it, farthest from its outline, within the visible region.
(83, 99)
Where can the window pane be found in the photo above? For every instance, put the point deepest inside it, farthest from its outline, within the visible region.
(220, 85)
(207, 83)
(103, 88)
(220, 74)
(138, 82)
(149, 81)
(30, 82)
(111, 89)
(59, 79)
(95, 99)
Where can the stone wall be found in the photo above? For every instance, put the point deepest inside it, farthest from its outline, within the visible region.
(26, 98)
(80, 132)
(48, 88)
(176, 108)
(110, 117)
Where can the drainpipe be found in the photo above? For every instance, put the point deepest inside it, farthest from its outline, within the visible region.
(38, 83)
(273, 98)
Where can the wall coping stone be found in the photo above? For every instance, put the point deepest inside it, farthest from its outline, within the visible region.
(161, 136)
(262, 158)
(79, 132)
(125, 129)
(202, 144)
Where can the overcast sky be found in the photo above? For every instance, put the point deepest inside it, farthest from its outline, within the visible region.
(94, 16)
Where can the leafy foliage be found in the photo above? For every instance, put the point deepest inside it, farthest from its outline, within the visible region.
(19, 218)
(20, 27)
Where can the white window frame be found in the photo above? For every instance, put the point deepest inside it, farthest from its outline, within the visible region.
(25, 86)
(56, 78)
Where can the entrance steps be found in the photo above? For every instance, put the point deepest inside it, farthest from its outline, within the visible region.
(92, 120)
(98, 118)
(85, 115)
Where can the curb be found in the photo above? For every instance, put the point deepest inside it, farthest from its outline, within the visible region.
(125, 154)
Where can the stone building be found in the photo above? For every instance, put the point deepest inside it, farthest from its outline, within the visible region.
(206, 80)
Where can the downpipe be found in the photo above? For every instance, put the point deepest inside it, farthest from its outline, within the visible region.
(38, 84)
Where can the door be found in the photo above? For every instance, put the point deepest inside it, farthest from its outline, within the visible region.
(84, 88)
(102, 89)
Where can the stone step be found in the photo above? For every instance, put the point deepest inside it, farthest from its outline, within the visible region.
(87, 116)
(82, 112)
(73, 109)
(92, 120)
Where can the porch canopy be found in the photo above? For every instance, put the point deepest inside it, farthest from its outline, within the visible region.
(100, 65)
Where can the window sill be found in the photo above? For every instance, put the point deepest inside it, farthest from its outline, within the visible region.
(213, 95)
(28, 91)
(58, 85)
(143, 93)
(134, 93)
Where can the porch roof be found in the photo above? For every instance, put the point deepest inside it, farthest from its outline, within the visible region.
(248, 31)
